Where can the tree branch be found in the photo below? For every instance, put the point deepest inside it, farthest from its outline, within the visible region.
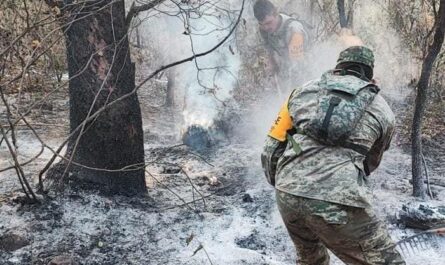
(135, 10)
(123, 97)
(191, 58)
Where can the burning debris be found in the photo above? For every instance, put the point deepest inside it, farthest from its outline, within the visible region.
(431, 220)
(424, 217)
(200, 138)
(203, 88)
(196, 137)
(208, 132)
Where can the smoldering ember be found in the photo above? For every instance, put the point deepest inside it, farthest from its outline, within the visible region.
(222, 132)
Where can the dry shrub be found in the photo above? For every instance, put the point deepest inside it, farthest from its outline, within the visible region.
(32, 50)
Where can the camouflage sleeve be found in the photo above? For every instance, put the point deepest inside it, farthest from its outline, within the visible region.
(272, 151)
(372, 160)
(274, 147)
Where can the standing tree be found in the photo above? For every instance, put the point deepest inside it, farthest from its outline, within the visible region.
(421, 99)
(106, 141)
(101, 71)
(105, 145)
(346, 18)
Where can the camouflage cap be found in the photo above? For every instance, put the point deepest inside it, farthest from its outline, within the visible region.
(357, 54)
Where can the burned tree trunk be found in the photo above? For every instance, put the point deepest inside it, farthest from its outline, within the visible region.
(342, 13)
(100, 72)
(421, 98)
(345, 18)
(170, 97)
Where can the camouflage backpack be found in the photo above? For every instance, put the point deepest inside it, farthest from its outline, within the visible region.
(342, 101)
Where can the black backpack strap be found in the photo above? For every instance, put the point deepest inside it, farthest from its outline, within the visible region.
(358, 148)
(333, 102)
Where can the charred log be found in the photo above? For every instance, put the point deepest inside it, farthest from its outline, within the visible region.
(424, 217)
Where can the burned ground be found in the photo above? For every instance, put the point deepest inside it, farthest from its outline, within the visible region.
(212, 206)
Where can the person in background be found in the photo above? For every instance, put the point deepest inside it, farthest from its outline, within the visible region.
(286, 41)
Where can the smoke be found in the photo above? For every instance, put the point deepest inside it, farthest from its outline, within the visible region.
(180, 30)
(177, 31)
(395, 66)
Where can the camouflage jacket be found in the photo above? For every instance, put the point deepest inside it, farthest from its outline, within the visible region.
(329, 173)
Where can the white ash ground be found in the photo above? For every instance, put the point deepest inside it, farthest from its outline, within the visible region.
(239, 223)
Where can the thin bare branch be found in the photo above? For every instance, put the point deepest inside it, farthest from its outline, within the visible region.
(135, 10)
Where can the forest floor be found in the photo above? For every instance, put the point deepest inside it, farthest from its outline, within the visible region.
(201, 208)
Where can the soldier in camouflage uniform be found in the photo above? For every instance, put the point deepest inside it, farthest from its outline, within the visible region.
(321, 185)
(285, 39)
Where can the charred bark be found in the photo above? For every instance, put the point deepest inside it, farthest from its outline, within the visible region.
(170, 97)
(421, 99)
(101, 71)
(345, 17)
(342, 13)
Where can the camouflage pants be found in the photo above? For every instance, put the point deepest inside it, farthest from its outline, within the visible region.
(355, 235)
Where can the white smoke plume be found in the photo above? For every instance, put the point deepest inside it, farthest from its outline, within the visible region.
(395, 66)
(178, 30)
(182, 29)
